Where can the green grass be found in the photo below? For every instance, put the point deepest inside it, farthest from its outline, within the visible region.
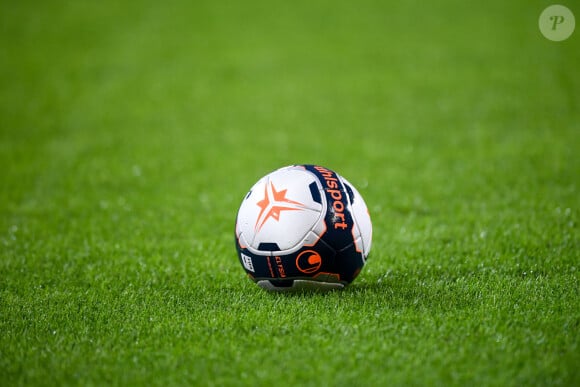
(130, 132)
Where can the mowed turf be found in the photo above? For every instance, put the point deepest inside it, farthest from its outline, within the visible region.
(131, 131)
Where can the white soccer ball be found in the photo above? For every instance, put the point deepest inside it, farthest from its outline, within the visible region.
(303, 226)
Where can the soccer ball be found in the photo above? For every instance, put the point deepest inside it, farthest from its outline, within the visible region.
(303, 227)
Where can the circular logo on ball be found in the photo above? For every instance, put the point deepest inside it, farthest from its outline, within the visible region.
(308, 261)
(557, 23)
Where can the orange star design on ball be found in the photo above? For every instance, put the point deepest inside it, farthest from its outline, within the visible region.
(273, 204)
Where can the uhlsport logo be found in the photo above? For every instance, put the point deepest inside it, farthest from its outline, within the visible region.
(557, 23)
(308, 261)
(273, 204)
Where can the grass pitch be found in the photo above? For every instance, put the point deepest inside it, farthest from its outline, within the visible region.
(130, 132)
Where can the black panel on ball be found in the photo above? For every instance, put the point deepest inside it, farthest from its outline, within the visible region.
(350, 193)
(315, 192)
(268, 246)
(349, 262)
